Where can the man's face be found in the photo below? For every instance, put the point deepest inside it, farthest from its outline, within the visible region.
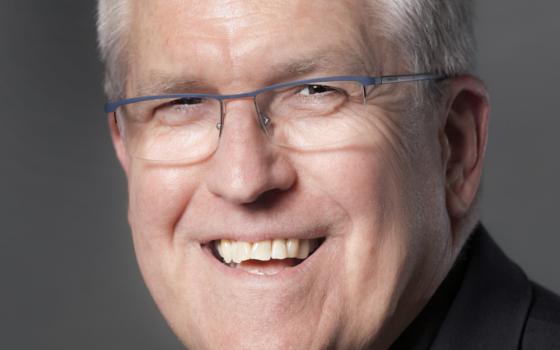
(376, 205)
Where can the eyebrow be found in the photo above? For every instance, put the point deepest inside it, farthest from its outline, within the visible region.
(342, 63)
(334, 61)
(163, 83)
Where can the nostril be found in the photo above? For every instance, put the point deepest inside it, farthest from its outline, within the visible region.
(266, 200)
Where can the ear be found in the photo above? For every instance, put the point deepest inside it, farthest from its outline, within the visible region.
(464, 138)
(118, 143)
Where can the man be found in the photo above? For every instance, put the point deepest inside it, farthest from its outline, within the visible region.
(304, 175)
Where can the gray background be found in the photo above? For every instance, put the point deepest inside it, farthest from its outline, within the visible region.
(68, 277)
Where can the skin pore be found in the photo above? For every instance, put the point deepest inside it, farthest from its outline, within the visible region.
(385, 204)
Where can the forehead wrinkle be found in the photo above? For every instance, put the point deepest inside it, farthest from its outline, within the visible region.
(237, 22)
(227, 18)
(239, 44)
(322, 63)
(165, 83)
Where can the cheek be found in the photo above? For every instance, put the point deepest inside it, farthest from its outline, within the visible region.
(368, 177)
(374, 189)
(158, 196)
(353, 180)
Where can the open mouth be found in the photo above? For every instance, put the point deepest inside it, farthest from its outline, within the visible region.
(265, 257)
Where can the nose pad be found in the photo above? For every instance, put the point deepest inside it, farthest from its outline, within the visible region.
(264, 121)
(220, 123)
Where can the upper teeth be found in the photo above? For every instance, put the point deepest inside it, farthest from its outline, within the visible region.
(238, 251)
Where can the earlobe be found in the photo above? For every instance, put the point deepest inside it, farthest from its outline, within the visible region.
(464, 143)
(118, 143)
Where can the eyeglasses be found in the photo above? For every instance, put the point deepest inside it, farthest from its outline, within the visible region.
(305, 115)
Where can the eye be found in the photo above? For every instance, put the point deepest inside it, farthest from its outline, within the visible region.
(314, 89)
(186, 110)
(186, 101)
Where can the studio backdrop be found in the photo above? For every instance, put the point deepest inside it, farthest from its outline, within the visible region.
(69, 278)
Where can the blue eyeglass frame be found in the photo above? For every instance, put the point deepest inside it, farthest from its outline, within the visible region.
(111, 107)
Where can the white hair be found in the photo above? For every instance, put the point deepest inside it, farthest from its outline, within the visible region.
(112, 24)
(431, 35)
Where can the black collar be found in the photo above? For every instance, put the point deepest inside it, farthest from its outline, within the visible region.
(482, 303)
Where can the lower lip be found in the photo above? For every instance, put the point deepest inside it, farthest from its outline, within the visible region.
(287, 274)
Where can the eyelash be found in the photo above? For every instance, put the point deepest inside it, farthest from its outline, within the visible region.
(182, 101)
(325, 88)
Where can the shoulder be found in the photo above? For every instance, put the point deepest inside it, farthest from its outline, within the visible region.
(497, 306)
(542, 328)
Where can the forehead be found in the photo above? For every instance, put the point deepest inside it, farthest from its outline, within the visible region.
(243, 41)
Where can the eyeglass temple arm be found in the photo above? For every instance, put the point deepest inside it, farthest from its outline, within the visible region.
(392, 79)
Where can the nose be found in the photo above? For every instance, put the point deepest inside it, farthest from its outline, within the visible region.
(246, 165)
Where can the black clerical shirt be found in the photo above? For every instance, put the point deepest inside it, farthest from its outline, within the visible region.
(485, 302)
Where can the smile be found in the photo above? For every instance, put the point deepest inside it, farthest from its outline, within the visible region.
(268, 257)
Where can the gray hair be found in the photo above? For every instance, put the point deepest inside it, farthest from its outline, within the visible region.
(431, 35)
(112, 24)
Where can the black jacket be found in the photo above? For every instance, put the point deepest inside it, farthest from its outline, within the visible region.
(486, 302)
